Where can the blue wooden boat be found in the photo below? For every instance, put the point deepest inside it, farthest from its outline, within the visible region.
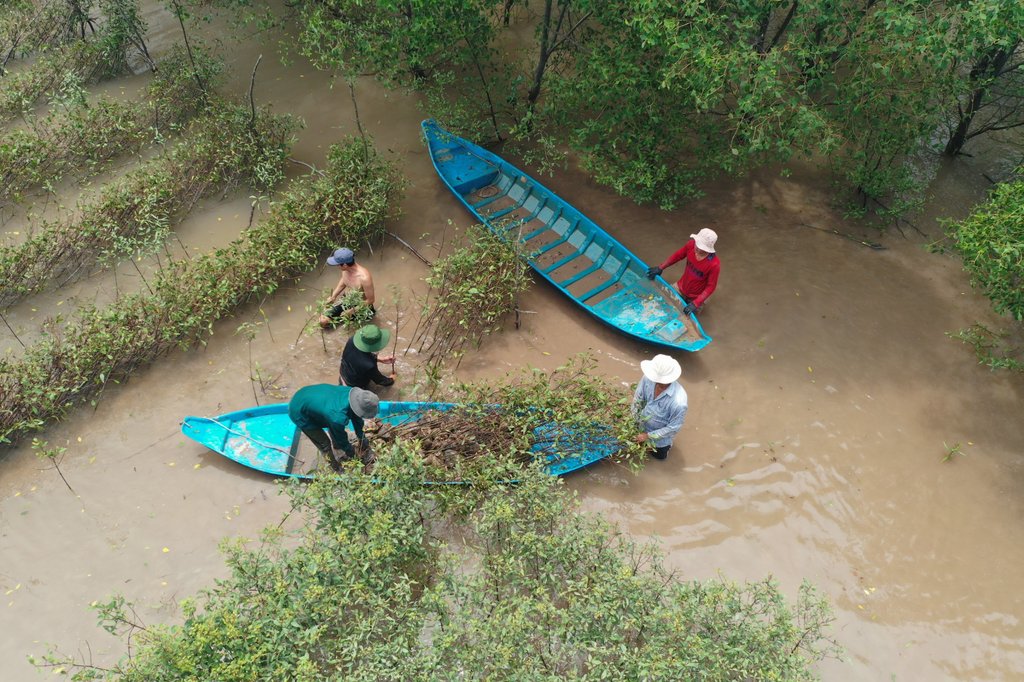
(265, 439)
(564, 246)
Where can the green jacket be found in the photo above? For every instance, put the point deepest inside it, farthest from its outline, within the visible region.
(324, 406)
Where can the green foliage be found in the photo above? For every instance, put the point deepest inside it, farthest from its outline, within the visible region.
(658, 96)
(79, 140)
(495, 430)
(586, 407)
(991, 241)
(346, 203)
(472, 290)
(372, 587)
(27, 26)
(86, 60)
(224, 147)
(994, 349)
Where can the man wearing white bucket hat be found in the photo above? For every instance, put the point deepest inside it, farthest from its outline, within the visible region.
(700, 277)
(659, 404)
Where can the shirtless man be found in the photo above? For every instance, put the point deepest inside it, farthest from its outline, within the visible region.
(354, 277)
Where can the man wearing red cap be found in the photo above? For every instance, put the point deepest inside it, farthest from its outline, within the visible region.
(700, 277)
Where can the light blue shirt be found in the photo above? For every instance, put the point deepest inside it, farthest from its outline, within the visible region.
(660, 417)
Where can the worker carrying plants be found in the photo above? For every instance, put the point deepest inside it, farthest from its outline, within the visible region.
(325, 406)
(354, 278)
(700, 276)
(359, 359)
(659, 404)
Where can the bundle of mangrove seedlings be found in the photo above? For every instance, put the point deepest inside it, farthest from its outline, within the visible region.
(230, 144)
(346, 203)
(79, 139)
(490, 432)
(88, 59)
(471, 291)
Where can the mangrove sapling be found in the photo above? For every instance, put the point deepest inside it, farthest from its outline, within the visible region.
(27, 27)
(80, 140)
(70, 364)
(55, 455)
(86, 60)
(219, 151)
(471, 291)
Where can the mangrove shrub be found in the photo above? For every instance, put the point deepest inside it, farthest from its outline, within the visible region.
(374, 586)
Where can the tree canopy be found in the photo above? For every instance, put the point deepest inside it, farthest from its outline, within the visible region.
(657, 96)
(390, 579)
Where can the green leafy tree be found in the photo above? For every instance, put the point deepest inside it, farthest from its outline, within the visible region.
(374, 585)
(991, 241)
(990, 96)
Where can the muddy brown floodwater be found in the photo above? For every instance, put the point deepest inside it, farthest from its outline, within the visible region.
(813, 449)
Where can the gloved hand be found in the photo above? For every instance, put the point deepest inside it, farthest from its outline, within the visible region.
(653, 271)
(690, 308)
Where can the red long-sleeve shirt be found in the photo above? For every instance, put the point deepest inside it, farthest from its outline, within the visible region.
(700, 277)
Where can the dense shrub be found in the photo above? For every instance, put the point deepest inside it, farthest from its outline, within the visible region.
(345, 204)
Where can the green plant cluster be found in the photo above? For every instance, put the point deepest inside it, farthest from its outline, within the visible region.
(224, 147)
(372, 587)
(996, 349)
(346, 203)
(79, 140)
(27, 26)
(991, 242)
(66, 68)
(472, 290)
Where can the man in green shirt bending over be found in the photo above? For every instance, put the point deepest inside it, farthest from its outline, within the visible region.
(326, 406)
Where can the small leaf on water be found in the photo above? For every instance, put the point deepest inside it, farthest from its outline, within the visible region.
(546, 353)
(196, 466)
(809, 369)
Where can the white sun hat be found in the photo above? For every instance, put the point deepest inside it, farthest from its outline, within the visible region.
(705, 239)
(662, 369)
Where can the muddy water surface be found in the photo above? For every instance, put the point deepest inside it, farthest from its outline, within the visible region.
(819, 418)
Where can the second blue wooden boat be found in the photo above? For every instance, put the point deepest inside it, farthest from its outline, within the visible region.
(265, 439)
(564, 246)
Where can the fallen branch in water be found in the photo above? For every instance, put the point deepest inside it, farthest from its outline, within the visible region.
(871, 245)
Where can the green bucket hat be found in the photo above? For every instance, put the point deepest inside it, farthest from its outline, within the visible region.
(371, 338)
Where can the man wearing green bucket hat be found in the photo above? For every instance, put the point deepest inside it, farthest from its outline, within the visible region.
(359, 359)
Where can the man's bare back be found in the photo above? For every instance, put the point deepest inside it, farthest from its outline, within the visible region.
(354, 277)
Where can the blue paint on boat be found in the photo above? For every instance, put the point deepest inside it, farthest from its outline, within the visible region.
(564, 246)
(265, 439)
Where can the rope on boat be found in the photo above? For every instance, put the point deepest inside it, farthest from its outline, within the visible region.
(248, 437)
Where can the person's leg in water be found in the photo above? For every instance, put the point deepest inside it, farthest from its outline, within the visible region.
(660, 453)
(323, 443)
